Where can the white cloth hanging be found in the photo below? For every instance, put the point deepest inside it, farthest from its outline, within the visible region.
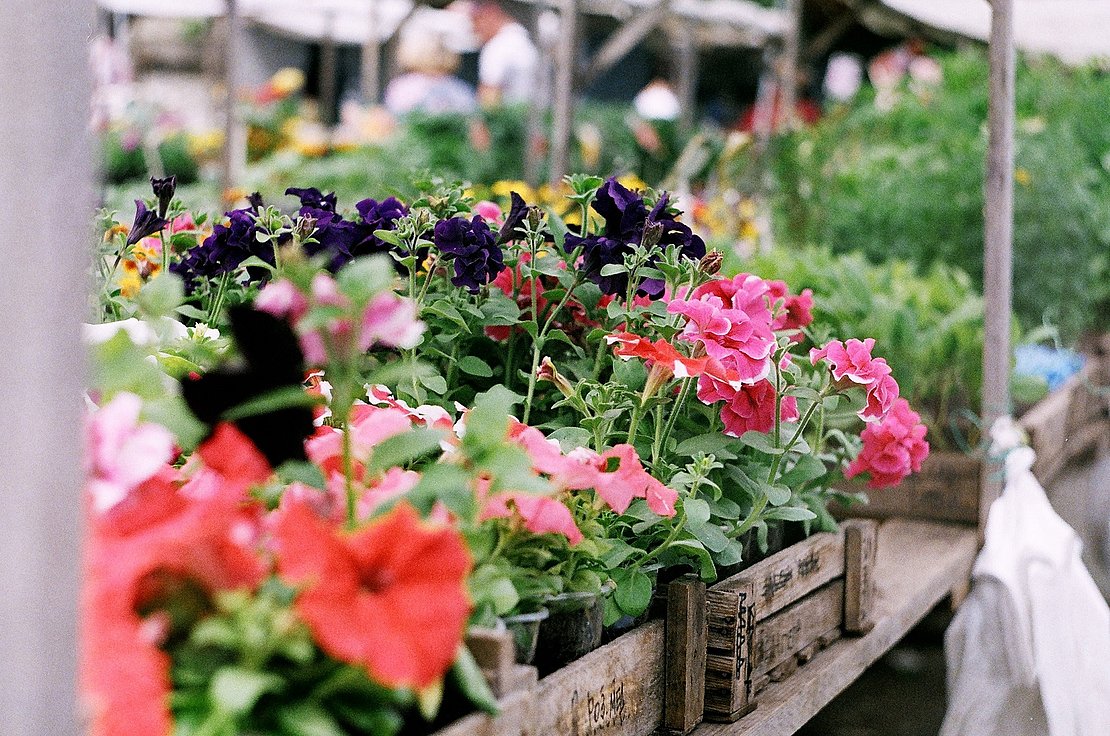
(1028, 653)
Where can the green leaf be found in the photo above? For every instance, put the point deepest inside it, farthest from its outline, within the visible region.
(806, 469)
(695, 549)
(434, 383)
(364, 277)
(161, 296)
(298, 471)
(308, 719)
(558, 228)
(282, 398)
(188, 310)
(760, 441)
(475, 366)
(613, 269)
(711, 443)
(237, 690)
(633, 593)
(447, 310)
(732, 554)
(389, 236)
(472, 682)
(697, 510)
(402, 449)
(790, 513)
(708, 534)
(776, 495)
(571, 438)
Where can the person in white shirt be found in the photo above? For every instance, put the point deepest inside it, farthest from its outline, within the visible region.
(508, 59)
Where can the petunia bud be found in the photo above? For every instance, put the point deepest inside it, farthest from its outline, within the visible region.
(164, 190)
(548, 372)
(711, 262)
(653, 233)
(535, 217)
(306, 225)
(255, 201)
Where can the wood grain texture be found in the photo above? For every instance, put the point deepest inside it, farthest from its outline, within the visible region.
(495, 655)
(946, 489)
(916, 565)
(616, 690)
(730, 617)
(860, 541)
(790, 574)
(685, 652)
(781, 637)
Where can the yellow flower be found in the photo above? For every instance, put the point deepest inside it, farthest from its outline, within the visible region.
(631, 181)
(129, 281)
(1023, 177)
(505, 187)
(287, 81)
(118, 229)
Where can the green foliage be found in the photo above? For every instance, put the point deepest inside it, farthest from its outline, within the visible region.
(908, 184)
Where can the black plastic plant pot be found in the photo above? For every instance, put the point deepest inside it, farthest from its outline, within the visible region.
(572, 630)
(525, 628)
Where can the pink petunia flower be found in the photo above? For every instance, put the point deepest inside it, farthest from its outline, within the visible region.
(892, 448)
(751, 407)
(630, 480)
(851, 364)
(731, 320)
(121, 452)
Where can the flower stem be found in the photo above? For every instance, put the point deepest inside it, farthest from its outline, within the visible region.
(797, 435)
(537, 347)
(348, 471)
(676, 409)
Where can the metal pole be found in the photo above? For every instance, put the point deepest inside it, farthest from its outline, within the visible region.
(372, 59)
(235, 136)
(998, 234)
(46, 175)
(565, 58)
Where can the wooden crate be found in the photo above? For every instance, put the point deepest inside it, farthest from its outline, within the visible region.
(1068, 422)
(647, 679)
(946, 489)
(767, 620)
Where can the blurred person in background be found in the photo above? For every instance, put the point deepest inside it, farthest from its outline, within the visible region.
(508, 58)
(428, 83)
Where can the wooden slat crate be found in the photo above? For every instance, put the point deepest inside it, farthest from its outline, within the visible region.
(626, 688)
(1068, 422)
(765, 621)
(946, 489)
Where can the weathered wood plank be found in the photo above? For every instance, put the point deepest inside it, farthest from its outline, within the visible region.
(779, 638)
(790, 574)
(946, 489)
(495, 655)
(730, 617)
(615, 690)
(860, 540)
(685, 652)
(917, 564)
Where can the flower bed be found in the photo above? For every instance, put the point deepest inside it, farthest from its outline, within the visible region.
(336, 439)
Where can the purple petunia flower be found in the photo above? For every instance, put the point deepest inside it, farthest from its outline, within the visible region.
(313, 198)
(164, 190)
(625, 216)
(147, 223)
(478, 258)
(223, 250)
(376, 216)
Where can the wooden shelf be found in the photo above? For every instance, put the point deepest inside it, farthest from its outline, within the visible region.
(917, 565)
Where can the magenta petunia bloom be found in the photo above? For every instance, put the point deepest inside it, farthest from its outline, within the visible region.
(892, 448)
(852, 364)
(750, 407)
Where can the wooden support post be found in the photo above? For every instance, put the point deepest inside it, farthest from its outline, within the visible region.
(860, 540)
(329, 71)
(235, 135)
(685, 650)
(998, 235)
(46, 175)
(371, 67)
(495, 654)
(730, 619)
(687, 52)
(788, 64)
(566, 56)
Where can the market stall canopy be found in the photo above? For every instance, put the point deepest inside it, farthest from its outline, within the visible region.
(1074, 31)
(714, 22)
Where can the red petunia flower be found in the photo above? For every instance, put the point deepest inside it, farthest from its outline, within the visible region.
(390, 597)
